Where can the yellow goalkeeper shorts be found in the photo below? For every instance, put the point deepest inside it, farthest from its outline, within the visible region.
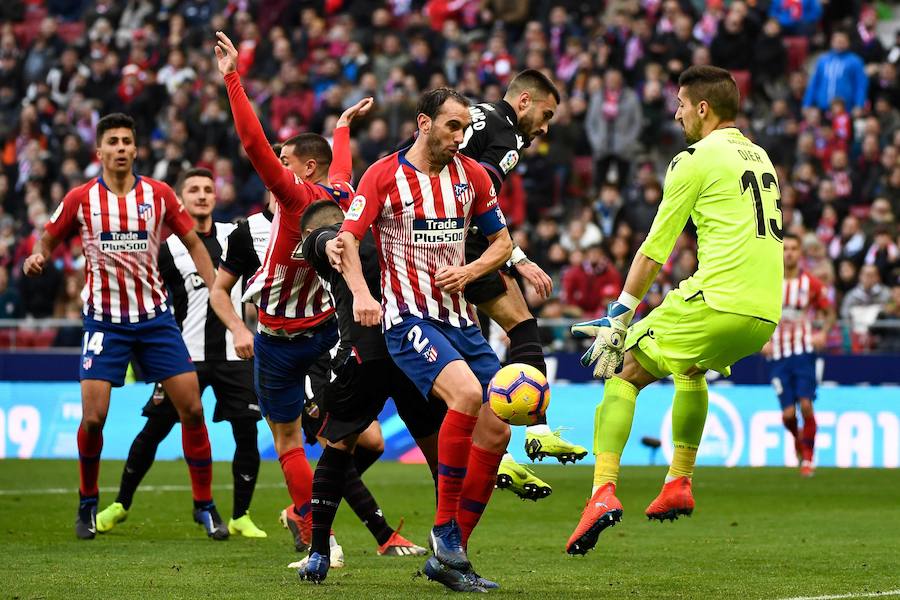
(684, 333)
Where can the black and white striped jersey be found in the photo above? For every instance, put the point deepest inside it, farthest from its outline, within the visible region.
(205, 336)
(247, 245)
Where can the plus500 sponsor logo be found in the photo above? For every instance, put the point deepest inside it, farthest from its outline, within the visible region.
(438, 231)
(124, 241)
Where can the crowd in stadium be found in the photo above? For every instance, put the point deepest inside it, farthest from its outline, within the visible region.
(820, 93)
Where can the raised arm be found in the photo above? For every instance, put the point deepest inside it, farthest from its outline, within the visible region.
(275, 175)
(341, 170)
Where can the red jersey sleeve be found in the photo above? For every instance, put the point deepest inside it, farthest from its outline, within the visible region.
(177, 218)
(485, 208)
(365, 206)
(65, 217)
(287, 187)
(341, 170)
(818, 299)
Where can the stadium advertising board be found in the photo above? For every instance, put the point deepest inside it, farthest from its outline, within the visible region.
(857, 426)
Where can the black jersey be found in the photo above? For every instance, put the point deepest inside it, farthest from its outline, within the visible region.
(493, 139)
(367, 343)
(247, 245)
(204, 334)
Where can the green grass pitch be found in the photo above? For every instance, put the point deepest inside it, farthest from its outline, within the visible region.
(756, 533)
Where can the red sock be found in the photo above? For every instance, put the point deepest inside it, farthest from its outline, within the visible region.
(477, 488)
(198, 456)
(809, 437)
(454, 444)
(298, 476)
(90, 443)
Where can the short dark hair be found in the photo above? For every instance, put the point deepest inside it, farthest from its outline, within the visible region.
(192, 172)
(310, 145)
(431, 101)
(714, 85)
(114, 121)
(791, 236)
(533, 81)
(321, 214)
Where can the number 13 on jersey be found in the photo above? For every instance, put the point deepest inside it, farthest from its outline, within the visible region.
(750, 183)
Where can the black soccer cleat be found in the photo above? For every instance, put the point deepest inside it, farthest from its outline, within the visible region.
(457, 581)
(209, 517)
(86, 520)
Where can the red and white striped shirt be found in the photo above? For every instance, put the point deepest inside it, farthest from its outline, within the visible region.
(121, 237)
(419, 224)
(803, 295)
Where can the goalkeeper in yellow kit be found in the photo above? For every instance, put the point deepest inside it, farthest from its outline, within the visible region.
(727, 310)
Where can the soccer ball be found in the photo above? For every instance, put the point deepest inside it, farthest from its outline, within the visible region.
(519, 394)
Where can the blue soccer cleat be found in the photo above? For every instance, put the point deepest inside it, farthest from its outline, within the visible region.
(445, 542)
(482, 582)
(315, 569)
(457, 581)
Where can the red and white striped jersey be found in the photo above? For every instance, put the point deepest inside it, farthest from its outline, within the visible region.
(419, 224)
(803, 296)
(121, 236)
(285, 288)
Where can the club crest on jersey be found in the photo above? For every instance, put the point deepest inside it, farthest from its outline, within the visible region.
(509, 161)
(355, 210)
(87, 363)
(462, 192)
(145, 210)
(430, 354)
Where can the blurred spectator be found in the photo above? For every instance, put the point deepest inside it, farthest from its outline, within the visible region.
(839, 72)
(613, 128)
(865, 301)
(586, 284)
(732, 48)
(888, 332)
(796, 17)
(10, 302)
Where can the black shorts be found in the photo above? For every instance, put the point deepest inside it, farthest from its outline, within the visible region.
(232, 383)
(486, 287)
(359, 391)
(317, 377)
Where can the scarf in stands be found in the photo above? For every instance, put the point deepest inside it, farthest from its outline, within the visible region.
(611, 104)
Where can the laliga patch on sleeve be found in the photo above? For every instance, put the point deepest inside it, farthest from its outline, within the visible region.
(356, 208)
(509, 161)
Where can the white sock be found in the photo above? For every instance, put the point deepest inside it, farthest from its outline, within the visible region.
(508, 456)
(332, 541)
(594, 490)
(542, 429)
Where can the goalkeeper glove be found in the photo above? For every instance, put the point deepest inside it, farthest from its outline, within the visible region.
(607, 352)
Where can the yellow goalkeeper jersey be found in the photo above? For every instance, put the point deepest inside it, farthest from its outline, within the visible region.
(728, 186)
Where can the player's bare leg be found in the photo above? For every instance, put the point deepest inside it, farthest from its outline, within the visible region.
(612, 426)
(94, 408)
(807, 438)
(184, 391)
(510, 311)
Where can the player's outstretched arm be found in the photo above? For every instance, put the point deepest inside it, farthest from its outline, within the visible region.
(343, 253)
(453, 279)
(220, 300)
(34, 264)
(341, 170)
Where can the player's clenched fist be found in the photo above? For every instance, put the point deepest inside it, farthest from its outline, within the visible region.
(34, 265)
(366, 310)
(243, 343)
(334, 250)
(452, 279)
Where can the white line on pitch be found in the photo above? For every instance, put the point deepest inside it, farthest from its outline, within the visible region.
(884, 594)
(145, 488)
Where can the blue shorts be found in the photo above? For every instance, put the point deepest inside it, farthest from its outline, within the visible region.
(794, 377)
(279, 370)
(155, 344)
(423, 347)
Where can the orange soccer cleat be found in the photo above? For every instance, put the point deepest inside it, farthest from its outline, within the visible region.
(601, 511)
(674, 500)
(300, 527)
